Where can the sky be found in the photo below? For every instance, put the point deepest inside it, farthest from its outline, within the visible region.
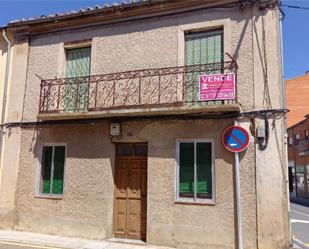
(295, 25)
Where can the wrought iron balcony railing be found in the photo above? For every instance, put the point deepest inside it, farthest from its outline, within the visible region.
(133, 89)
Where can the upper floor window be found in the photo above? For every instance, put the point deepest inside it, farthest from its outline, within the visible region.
(195, 171)
(52, 170)
(78, 62)
(290, 141)
(204, 47)
(297, 138)
(306, 134)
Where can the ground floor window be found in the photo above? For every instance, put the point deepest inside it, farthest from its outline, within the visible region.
(195, 170)
(52, 170)
(300, 178)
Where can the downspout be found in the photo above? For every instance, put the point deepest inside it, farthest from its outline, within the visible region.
(6, 79)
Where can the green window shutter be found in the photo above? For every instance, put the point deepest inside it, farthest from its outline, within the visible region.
(186, 170)
(78, 65)
(59, 155)
(202, 48)
(78, 62)
(47, 157)
(204, 171)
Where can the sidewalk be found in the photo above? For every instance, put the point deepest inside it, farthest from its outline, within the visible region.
(301, 201)
(58, 242)
(37, 239)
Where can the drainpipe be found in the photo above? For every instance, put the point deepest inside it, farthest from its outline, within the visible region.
(6, 79)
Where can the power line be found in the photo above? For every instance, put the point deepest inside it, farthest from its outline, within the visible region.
(295, 7)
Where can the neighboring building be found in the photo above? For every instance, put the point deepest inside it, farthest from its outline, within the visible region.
(297, 99)
(110, 138)
(11, 58)
(298, 154)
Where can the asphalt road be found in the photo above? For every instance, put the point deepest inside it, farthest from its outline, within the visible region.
(300, 224)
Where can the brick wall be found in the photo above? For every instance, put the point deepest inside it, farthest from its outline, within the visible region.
(297, 98)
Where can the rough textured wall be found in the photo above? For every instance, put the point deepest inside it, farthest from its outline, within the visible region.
(3, 49)
(152, 43)
(87, 207)
(88, 188)
(18, 81)
(9, 175)
(11, 140)
(271, 163)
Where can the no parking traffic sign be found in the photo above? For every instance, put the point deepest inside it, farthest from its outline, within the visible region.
(235, 139)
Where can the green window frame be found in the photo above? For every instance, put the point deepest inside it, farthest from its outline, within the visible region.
(52, 167)
(195, 171)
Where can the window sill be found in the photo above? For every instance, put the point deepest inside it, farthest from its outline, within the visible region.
(54, 197)
(198, 203)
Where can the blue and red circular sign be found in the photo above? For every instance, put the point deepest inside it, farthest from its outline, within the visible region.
(235, 139)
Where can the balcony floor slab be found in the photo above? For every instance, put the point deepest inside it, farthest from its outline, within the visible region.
(191, 109)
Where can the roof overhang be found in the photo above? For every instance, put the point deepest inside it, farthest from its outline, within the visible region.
(113, 14)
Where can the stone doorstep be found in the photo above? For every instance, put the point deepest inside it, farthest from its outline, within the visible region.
(45, 240)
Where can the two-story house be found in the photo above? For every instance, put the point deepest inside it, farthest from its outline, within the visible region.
(115, 121)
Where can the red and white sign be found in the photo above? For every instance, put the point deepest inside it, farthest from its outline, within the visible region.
(235, 139)
(217, 87)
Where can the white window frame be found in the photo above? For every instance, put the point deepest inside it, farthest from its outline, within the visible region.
(291, 140)
(196, 200)
(306, 134)
(39, 170)
(297, 138)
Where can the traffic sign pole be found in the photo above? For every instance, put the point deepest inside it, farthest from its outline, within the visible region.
(238, 204)
(236, 139)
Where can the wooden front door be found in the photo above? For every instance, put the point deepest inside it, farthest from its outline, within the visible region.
(130, 205)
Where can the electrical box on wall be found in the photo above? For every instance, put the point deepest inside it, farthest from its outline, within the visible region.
(260, 131)
(115, 129)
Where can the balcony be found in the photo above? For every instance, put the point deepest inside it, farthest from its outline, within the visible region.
(173, 90)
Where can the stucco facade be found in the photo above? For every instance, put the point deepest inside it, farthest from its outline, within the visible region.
(11, 138)
(251, 38)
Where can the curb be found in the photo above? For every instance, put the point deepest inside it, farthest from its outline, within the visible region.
(2, 242)
(299, 244)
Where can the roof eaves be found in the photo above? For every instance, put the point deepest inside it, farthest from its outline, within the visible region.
(299, 122)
